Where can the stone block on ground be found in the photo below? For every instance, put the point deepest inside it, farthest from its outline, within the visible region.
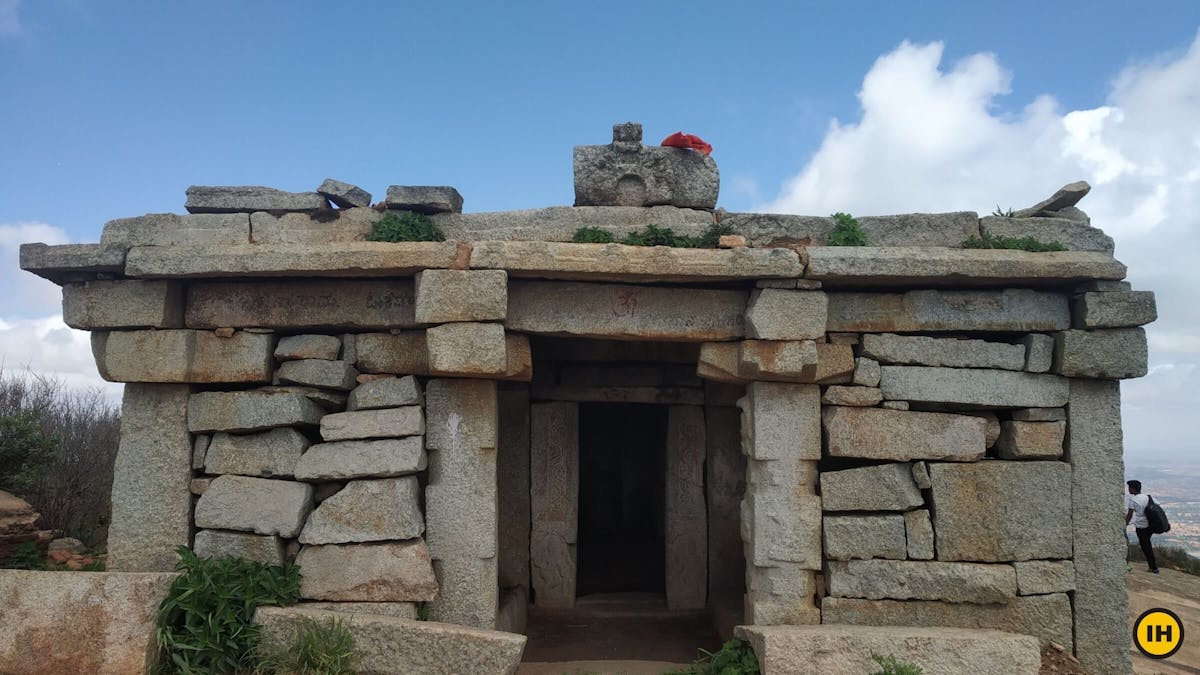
(390, 392)
(246, 198)
(427, 199)
(901, 435)
(183, 356)
(319, 373)
(127, 303)
(919, 531)
(260, 505)
(1039, 577)
(467, 349)
(921, 580)
(344, 195)
(1120, 309)
(443, 296)
(254, 410)
(954, 353)
(885, 487)
(308, 347)
(381, 458)
(265, 454)
(1012, 309)
(367, 510)
(778, 314)
(864, 537)
(973, 387)
(391, 572)
(382, 423)
(1031, 440)
(224, 544)
(1108, 354)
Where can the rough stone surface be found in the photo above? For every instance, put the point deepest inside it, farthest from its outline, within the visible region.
(395, 646)
(901, 435)
(1040, 577)
(778, 314)
(781, 595)
(863, 537)
(1109, 354)
(170, 229)
(319, 373)
(123, 304)
(254, 410)
(778, 360)
(362, 459)
(1040, 415)
(382, 423)
(259, 505)
(266, 454)
(246, 198)
(344, 259)
(781, 421)
(353, 304)
(976, 387)
(1011, 524)
(921, 580)
(624, 311)
(182, 356)
(467, 349)
(56, 262)
(151, 504)
(919, 532)
(427, 199)
(909, 229)
(200, 443)
(554, 501)
(907, 266)
(328, 227)
(98, 623)
(886, 487)
(847, 650)
(1066, 196)
(512, 481)
(686, 518)
(443, 296)
(294, 347)
(644, 264)
(559, 223)
(920, 473)
(391, 392)
(930, 351)
(255, 547)
(1031, 440)
(402, 353)
(344, 195)
(895, 405)
(1011, 309)
(367, 510)
(1119, 309)
(396, 610)
(1039, 352)
(866, 372)
(725, 483)
(393, 572)
(627, 173)
(1047, 617)
(720, 362)
(852, 396)
(1098, 525)
(1073, 234)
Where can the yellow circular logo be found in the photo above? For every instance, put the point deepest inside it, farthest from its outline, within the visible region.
(1158, 633)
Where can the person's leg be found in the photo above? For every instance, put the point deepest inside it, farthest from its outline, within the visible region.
(1143, 535)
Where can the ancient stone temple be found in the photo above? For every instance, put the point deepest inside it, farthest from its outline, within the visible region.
(772, 432)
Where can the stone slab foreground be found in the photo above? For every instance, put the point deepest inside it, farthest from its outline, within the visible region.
(79, 622)
(390, 645)
(838, 650)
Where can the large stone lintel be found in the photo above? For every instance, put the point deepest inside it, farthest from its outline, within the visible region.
(348, 259)
(911, 266)
(350, 304)
(62, 262)
(1008, 310)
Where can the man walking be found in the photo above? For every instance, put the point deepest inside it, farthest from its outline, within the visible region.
(1135, 505)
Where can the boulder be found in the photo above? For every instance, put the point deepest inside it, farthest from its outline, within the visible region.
(1040, 577)
(919, 532)
(907, 229)
(346, 259)
(901, 435)
(183, 356)
(559, 223)
(467, 349)
(362, 459)
(1039, 352)
(344, 195)
(327, 227)
(1065, 197)
(257, 505)
(294, 305)
(781, 421)
(170, 229)
(403, 352)
(392, 572)
(866, 372)
(56, 263)
(852, 396)
(246, 198)
(367, 510)
(1073, 233)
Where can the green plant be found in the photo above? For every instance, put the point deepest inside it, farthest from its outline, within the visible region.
(889, 665)
(318, 648)
(712, 236)
(25, 556)
(25, 452)
(405, 226)
(846, 231)
(735, 657)
(1001, 213)
(424, 613)
(653, 235)
(592, 235)
(205, 622)
(988, 240)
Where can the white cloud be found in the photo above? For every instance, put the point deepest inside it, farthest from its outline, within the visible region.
(28, 295)
(10, 20)
(47, 346)
(931, 139)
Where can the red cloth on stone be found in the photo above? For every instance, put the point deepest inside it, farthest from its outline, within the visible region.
(682, 140)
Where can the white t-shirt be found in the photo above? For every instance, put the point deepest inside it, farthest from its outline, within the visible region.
(1138, 504)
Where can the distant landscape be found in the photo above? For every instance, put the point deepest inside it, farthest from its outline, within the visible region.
(1177, 489)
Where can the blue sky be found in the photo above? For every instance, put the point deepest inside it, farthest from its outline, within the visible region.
(112, 109)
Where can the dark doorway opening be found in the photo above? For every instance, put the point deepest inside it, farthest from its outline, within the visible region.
(622, 501)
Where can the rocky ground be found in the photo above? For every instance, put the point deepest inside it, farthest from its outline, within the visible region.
(1179, 593)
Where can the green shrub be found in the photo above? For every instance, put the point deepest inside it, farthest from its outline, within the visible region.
(424, 612)
(889, 665)
(734, 658)
(25, 452)
(1001, 213)
(25, 556)
(712, 236)
(653, 235)
(405, 226)
(205, 622)
(1171, 557)
(318, 649)
(592, 235)
(846, 232)
(989, 240)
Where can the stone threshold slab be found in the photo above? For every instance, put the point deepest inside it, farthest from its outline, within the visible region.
(646, 264)
(350, 259)
(903, 266)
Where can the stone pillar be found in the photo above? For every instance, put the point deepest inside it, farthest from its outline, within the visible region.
(1094, 448)
(554, 501)
(512, 467)
(686, 518)
(725, 484)
(460, 500)
(781, 514)
(151, 496)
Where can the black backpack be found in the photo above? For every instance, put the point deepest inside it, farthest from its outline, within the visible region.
(1156, 518)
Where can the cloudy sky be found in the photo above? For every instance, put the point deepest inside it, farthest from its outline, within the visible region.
(112, 109)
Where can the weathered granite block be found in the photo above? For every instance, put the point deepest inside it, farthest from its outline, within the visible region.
(777, 360)
(443, 296)
(294, 347)
(183, 356)
(720, 362)
(901, 435)
(467, 349)
(910, 266)
(852, 396)
(512, 482)
(950, 352)
(393, 572)
(1011, 309)
(1075, 235)
(402, 353)
(781, 595)
(382, 423)
(782, 525)
(725, 482)
(397, 610)
(1040, 577)
(67, 260)
(866, 372)
(319, 373)
(554, 501)
(975, 387)
(1031, 440)
(344, 195)
(921, 580)
(246, 198)
(266, 454)
(254, 547)
(1118, 309)
(1109, 354)
(254, 410)
(151, 503)
(338, 259)
(428, 199)
(920, 474)
(907, 229)
(362, 459)
(303, 229)
(627, 173)
(777, 314)
(848, 537)
(129, 303)
(341, 303)
(559, 223)
(391, 392)
(686, 517)
(1009, 521)
(919, 532)
(170, 229)
(886, 487)
(781, 421)
(1040, 415)
(1039, 352)
(258, 505)
(367, 510)
(200, 443)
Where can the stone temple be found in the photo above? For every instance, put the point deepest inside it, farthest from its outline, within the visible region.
(795, 438)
